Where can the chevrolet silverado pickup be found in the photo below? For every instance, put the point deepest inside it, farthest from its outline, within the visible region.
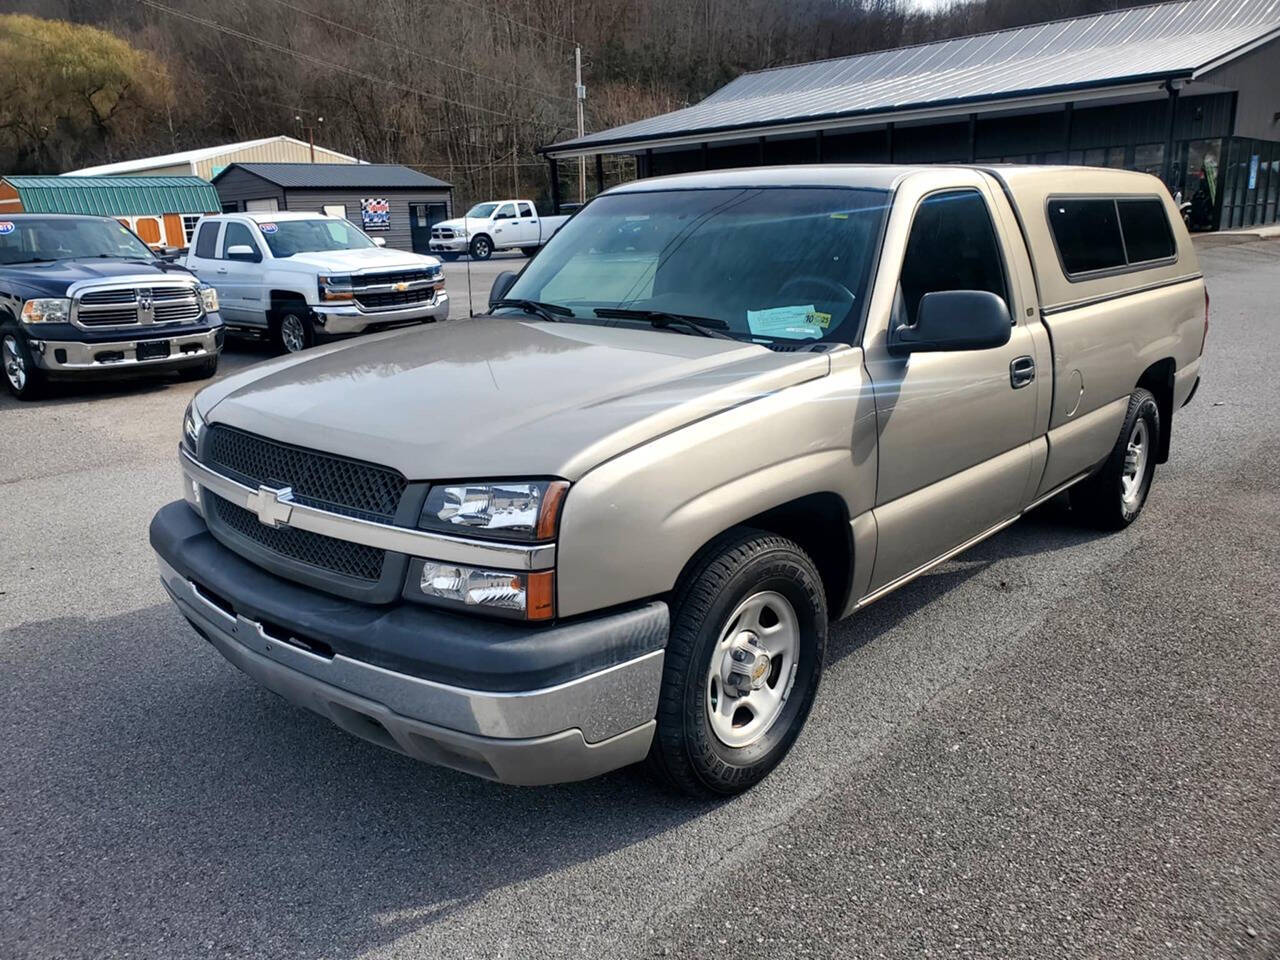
(494, 225)
(84, 297)
(303, 277)
(611, 520)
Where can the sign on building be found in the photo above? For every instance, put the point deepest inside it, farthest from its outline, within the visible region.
(375, 213)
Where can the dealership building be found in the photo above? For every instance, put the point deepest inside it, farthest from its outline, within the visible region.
(1187, 91)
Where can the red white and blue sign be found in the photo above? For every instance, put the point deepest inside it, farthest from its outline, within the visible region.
(375, 213)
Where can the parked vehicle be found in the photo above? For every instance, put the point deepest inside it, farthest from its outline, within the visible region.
(613, 519)
(494, 225)
(84, 297)
(300, 277)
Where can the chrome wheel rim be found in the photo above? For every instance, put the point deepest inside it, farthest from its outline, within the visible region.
(15, 367)
(753, 668)
(1135, 465)
(292, 333)
(482, 249)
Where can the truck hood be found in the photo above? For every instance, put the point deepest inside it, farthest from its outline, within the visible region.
(467, 225)
(52, 279)
(499, 397)
(370, 258)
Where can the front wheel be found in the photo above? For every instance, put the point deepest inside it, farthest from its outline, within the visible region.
(529, 251)
(293, 330)
(24, 380)
(1114, 496)
(200, 371)
(481, 248)
(749, 629)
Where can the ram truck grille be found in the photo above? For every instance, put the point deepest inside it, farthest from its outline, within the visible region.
(137, 306)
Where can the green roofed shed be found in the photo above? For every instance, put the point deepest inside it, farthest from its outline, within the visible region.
(112, 196)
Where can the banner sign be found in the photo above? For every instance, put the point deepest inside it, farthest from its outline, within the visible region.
(375, 213)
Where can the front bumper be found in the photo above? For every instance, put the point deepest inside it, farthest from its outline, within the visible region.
(454, 245)
(504, 701)
(74, 357)
(353, 319)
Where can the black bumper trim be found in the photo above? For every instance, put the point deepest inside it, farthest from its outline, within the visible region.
(419, 641)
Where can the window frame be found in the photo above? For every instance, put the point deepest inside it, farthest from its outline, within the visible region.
(217, 227)
(195, 219)
(1083, 276)
(1005, 274)
(226, 235)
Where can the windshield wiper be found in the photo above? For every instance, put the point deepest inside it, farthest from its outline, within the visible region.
(550, 312)
(661, 319)
(10, 263)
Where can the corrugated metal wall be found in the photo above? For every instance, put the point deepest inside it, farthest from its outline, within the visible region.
(280, 151)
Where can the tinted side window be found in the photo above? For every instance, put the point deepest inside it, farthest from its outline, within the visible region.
(237, 233)
(952, 247)
(207, 240)
(1145, 226)
(526, 210)
(1087, 234)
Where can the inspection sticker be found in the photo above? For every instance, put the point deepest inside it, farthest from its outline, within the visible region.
(6, 226)
(268, 227)
(791, 322)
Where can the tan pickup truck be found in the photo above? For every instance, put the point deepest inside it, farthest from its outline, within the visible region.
(611, 520)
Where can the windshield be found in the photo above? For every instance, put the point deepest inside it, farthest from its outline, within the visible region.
(25, 241)
(287, 237)
(482, 211)
(771, 263)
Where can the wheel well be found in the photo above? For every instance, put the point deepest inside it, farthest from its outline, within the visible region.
(819, 523)
(477, 236)
(281, 297)
(1158, 378)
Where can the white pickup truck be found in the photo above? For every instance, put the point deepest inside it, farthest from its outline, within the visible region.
(302, 276)
(494, 225)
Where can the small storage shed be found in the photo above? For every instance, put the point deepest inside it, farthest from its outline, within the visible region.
(161, 210)
(385, 200)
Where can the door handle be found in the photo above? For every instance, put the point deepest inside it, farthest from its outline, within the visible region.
(222, 269)
(1022, 370)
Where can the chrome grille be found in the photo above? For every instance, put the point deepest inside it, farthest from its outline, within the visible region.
(130, 306)
(321, 480)
(399, 298)
(354, 560)
(397, 276)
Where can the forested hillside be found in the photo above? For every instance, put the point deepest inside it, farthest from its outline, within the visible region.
(464, 89)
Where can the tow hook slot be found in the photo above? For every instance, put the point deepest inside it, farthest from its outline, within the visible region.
(274, 631)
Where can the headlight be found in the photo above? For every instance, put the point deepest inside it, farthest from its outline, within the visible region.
(526, 510)
(209, 297)
(524, 596)
(192, 424)
(46, 310)
(335, 288)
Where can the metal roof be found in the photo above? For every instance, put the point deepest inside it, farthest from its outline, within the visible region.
(339, 176)
(1150, 43)
(195, 156)
(115, 196)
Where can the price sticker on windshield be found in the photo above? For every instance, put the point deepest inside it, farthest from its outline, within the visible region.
(268, 228)
(6, 227)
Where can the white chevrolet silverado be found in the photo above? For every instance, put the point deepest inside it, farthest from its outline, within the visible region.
(494, 225)
(301, 277)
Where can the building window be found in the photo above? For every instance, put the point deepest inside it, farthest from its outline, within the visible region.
(338, 210)
(189, 221)
(1149, 158)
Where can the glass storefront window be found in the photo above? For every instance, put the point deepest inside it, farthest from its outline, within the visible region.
(1149, 158)
(1200, 186)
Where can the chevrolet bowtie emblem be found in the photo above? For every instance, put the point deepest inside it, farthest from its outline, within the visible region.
(272, 506)
(401, 287)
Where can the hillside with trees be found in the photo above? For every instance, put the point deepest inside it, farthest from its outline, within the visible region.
(463, 89)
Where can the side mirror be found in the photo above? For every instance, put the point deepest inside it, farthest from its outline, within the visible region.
(379, 241)
(242, 251)
(954, 320)
(501, 284)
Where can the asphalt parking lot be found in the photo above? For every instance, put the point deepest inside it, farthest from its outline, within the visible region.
(1059, 744)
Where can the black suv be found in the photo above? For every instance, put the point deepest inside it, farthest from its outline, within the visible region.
(84, 297)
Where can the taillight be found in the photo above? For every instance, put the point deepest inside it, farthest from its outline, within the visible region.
(1205, 337)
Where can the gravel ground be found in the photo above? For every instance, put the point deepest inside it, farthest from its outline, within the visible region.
(1058, 745)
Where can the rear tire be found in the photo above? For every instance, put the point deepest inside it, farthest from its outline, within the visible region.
(1113, 497)
(292, 329)
(529, 251)
(748, 633)
(21, 375)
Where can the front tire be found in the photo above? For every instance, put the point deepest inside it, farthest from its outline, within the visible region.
(748, 634)
(481, 248)
(200, 371)
(529, 251)
(292, 329)
(1114, 496)
(21, 375)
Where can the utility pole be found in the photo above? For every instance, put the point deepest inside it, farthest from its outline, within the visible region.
(311, 134)
(579, 95)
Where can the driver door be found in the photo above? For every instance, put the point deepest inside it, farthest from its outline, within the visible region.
(954, 428)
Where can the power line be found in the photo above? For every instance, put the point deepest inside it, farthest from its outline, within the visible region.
(318, 61)
(415, 53)
(518, 23)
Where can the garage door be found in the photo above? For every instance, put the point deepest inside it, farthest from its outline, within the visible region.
(260, 206)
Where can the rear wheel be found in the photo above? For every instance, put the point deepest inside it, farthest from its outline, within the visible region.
(1114, 496)
(749, 628)
(481, 248)
(292, 329)
(529, 251)
(24, 380)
